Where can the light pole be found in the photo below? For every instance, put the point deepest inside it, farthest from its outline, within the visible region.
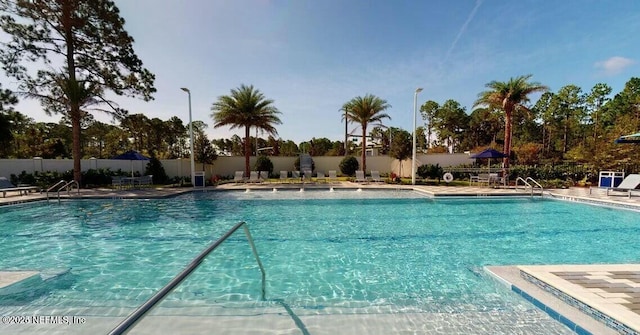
(415, 111)
(193, 164)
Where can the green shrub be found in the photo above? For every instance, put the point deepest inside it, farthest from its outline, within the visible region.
(349, 165)
(263, 163)
(155, 168)
(430, 171)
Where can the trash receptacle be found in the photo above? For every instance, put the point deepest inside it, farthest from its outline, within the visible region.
(610, 178)
(198, 179)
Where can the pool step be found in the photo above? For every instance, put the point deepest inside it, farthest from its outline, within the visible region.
(25, 284)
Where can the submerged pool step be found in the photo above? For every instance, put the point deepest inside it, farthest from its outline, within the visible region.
(28, 284)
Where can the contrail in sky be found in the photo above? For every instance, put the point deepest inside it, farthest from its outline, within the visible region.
(462, 30)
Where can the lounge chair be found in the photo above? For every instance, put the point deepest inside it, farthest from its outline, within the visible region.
(254, 177)
(263, 175)
(239, 177)
(306, 176)
(295, 176)
(333, 176)
(360, 178)
(375, 176)
(284, 176)
(7, 186)
(117, 182)
(144, 181)
(628, 184)
(321, 177)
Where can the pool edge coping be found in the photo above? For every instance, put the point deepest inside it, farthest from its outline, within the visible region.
(574, 319)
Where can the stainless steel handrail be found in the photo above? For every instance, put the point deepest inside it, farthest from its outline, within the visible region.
(68, 187)
(134, 317)
(526, 184)
(54, 186)
(537, 184)
(524, 181)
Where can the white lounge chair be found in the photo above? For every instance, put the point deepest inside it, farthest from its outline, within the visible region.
(295, 176)
(321, 177)
(254, 177)
(306, 176)
(7, 186)
(284, 176)
(628, 184)
(239, 177)
(360, 178)
(263, 175)
(375, 176)
(333, 176)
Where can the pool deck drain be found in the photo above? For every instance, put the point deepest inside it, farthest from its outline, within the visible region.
(590, 299)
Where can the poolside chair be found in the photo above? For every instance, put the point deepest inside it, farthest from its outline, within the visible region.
(375, 176)
(360, 178)
(284, 176)
(254, 177)
(306, 176)
(263, 175)
(239, 177)
(321, 177)
(333, 176)
(7, 186)
(295, 176)
(628, 184)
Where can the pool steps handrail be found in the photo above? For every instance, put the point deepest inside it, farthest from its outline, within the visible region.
(527, 184)
(66, 185)
(141, 311)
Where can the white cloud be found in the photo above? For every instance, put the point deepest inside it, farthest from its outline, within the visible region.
(614, 65)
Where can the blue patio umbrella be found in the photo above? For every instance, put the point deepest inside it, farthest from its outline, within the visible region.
(489, 153)
(633, 138)
(131, 156)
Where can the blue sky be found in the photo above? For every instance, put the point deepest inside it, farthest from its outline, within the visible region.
(311, 57)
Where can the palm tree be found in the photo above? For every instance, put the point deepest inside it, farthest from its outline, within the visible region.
(365, 110)
(245, 107)
(508, 96)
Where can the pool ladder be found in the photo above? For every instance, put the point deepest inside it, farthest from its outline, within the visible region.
(63, 185)
(139, 313)
(531, 184)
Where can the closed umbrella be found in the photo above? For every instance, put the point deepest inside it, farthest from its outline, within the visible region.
(131, 156)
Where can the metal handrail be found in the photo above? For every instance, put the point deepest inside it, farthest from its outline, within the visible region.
(68, 187)
(537, 184)
(524, 181)
(134, 317)
(54, 186)
(529, 185)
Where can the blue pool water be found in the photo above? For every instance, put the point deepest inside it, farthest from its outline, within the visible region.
(320, 249)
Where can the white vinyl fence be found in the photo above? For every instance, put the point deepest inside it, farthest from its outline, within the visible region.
(226, 166)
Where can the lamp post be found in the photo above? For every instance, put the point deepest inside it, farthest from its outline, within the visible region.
(193, 164)
(415, 112)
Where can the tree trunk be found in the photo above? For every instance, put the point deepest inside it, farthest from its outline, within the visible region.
(507, 137)
(247, 149)
(72, 89)
(364, 148)
(76, 149)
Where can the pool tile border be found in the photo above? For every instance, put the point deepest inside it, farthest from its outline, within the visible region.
(609, 310)
(592, 312)
(551, 312)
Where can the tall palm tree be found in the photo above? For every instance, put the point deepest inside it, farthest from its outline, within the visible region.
(508, 96)
(245, 107)
(366, 110)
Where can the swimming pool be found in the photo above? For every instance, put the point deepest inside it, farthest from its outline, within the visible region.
(324, 252)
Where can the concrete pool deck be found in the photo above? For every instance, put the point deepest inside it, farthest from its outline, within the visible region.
(589, 299)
